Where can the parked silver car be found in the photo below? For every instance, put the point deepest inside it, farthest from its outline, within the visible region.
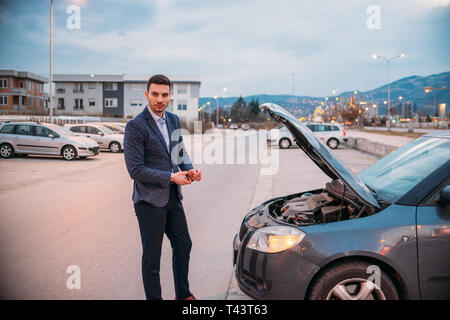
(332, 134)
(105, 137)
(43, 138)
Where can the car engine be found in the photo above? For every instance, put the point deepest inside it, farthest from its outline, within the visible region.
(335, 203)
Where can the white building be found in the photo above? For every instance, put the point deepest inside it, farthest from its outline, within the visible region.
(185, 94)
(120, 95)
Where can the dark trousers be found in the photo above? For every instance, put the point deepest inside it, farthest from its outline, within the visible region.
(153, 223)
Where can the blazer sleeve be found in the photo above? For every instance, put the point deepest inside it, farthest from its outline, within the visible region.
(134, 158)
(186, 163)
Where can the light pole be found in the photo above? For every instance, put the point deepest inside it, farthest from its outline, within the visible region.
(388, 60)
(217, 107)
(51, 62)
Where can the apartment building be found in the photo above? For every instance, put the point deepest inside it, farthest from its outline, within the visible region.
(185, 93)
(22, 92)
(120, 95)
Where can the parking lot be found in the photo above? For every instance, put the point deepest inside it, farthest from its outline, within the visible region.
(56, 213)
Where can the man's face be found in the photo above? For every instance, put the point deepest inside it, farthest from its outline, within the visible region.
(158, 97)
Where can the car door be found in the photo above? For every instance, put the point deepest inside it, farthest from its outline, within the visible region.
(26, 141)
(433, 230)
(44, 143)
(97, 135)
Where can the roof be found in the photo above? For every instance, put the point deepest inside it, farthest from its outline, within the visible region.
(23, 74)
(87, 78)
(118, 78)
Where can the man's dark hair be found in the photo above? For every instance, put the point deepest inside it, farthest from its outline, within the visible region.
(158, 79)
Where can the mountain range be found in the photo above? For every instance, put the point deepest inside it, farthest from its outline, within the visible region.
(411, 89)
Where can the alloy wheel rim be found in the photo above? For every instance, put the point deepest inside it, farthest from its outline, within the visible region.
(6, 151)
(333, 144)
(356, 289)
(285, 144)
(114, 147)
(69, 154)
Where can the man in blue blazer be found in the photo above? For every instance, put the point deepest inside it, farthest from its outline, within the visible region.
(154, 154)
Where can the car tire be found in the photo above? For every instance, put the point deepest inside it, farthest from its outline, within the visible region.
(114, 147)
(333, 143)
(284, 143)
(6, 150)
(350, 281)
(69, 153)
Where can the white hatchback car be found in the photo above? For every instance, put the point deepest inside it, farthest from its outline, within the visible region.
(105, 137)
(332, 134)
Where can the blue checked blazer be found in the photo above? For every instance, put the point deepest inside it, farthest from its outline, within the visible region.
(148, 161)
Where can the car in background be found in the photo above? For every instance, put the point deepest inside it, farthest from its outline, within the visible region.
(234, 126)
(116, 127)
(105, 137)
(382, 234)
(26, 138)
(332, 134)
(245, 126)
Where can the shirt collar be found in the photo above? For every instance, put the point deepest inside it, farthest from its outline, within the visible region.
(155, 116)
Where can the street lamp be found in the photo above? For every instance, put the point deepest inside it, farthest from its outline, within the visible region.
(388, 60)
(217, 106)
(51, 61)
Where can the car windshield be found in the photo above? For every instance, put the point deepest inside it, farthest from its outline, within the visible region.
(59, 130)
(106, 130)
(396, 174)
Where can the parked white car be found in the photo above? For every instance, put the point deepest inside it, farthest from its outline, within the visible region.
(44, 139)
(105, 137)
(332, 134)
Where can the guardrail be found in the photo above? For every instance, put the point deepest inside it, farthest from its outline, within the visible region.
(373, 148)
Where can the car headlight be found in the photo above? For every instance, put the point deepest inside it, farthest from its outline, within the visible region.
(275, 239)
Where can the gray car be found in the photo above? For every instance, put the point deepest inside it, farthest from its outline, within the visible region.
(43, 139)
(105, 137)
(381, 234)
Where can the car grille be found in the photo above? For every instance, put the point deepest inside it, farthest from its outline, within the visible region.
(94, 150)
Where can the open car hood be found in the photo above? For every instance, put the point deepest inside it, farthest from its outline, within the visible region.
(321, 154)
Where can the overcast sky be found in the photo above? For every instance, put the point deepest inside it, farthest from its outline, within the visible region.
(249, 47)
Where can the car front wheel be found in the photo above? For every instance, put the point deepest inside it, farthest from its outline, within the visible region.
(285, 143)
(6, 150)
(353, 281)
(114, 147)
(69, 153)
(333, 143)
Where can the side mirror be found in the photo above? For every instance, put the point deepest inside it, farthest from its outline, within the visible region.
(101, 133)
(444, 196)
(51, 136)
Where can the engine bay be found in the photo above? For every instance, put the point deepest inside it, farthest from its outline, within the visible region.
(332, 204)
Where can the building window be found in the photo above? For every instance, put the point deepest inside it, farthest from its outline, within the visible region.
(24, 100)
(4, 101)
(41, 103)
(111, 102)
(136, 103)
(21, 84)
(60, 90)
(61, 104)
(182, 105)
(29, 85)
(91, 85)
(91, 102)
(3, 83)
(110, 86)
(78, 104)
(78, 87)
(182, 88)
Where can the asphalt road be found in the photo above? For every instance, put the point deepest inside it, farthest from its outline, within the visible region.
(55, 214)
